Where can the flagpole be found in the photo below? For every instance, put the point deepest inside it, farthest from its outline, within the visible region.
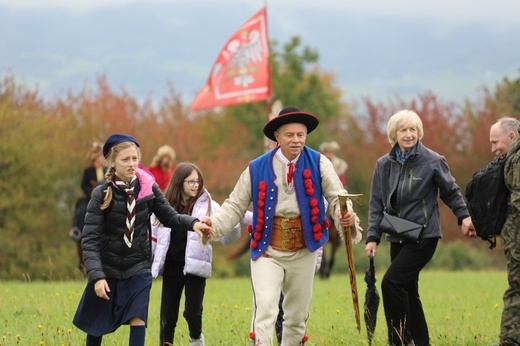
(269, 107)
(267, 141)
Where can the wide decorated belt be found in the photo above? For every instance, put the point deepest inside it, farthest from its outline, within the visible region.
(287, 234)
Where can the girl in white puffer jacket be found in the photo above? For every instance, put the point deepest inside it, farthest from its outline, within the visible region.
(198, 255)
(184, 260)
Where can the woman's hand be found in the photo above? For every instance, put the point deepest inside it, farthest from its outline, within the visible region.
(467, 228)
(101, 288)
(370, 248)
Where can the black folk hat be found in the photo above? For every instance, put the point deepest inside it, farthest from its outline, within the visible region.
(290, 114)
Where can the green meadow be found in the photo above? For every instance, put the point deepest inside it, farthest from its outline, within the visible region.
(462, 308)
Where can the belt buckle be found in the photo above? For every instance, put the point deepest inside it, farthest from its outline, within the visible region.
(285, 233)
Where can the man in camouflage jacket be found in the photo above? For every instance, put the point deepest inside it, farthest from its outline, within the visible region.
(504, 137)
(510, 325)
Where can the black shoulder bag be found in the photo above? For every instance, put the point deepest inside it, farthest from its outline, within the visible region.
(402, 228)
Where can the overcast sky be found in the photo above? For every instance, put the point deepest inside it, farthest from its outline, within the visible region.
(375, 47)
(499, 12)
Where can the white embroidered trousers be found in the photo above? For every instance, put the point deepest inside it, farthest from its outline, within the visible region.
(293, 274)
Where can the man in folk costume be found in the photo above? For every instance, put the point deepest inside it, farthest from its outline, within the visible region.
(288, 187)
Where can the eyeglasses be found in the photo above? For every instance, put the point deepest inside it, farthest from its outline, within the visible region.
(192, 183)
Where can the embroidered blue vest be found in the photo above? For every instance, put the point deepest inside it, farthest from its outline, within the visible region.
(307, 185)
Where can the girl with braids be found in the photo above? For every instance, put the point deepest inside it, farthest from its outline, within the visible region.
(185, 261)
(116, 244)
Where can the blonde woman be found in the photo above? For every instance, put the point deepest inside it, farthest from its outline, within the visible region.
(407, 182)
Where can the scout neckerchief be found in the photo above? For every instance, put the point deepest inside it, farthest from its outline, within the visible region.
(130, 205)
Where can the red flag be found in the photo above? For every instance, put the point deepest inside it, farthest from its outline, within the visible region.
(241, 73)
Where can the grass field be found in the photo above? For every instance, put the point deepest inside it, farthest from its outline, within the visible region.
(462, 308)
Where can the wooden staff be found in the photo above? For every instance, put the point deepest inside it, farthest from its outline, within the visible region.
(350, 255)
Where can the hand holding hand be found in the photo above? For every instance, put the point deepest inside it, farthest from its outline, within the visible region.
(206, 220)
(203, 230)
(467, 228)
(101, 288)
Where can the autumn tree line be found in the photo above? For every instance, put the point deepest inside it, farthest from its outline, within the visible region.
(43, 146)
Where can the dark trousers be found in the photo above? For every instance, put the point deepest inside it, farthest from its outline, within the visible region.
(172, 286)
(400, 287)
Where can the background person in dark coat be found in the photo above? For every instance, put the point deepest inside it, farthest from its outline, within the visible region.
(93, 175)
(407, 182)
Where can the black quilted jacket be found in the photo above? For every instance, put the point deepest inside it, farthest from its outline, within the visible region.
(105, 252)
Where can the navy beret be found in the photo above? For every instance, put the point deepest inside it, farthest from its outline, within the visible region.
(114, 139)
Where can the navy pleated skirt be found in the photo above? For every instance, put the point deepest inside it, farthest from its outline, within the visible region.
(128, 298)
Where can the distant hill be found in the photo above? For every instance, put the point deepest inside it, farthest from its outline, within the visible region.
(144, 47)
